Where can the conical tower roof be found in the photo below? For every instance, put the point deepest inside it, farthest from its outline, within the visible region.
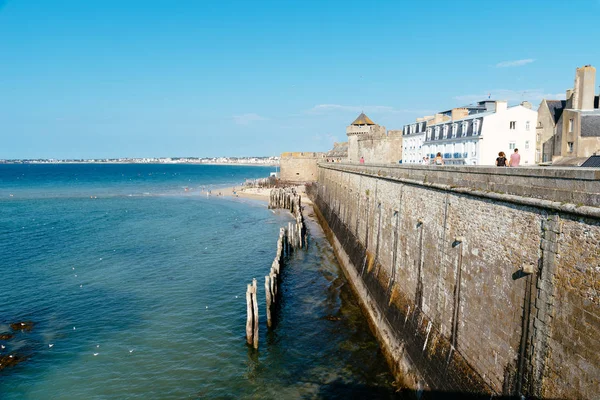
(363, 120)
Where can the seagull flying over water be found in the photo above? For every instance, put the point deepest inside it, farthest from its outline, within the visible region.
(50, 345)
(95, 354)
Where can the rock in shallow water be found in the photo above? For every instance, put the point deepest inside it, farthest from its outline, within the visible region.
(10, 360)
(22, 326)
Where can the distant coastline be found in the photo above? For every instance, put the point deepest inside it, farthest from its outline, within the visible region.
(241, 161)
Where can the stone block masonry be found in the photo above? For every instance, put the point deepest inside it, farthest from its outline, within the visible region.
(471, 289)
(300, 167)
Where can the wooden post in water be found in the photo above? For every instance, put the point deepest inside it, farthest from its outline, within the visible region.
(250, 317)
(255, 304)
(268, 298)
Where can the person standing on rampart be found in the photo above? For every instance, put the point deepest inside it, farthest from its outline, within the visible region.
(438, 160)
(362, 160)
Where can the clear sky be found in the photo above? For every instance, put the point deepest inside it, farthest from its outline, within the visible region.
(134, 78)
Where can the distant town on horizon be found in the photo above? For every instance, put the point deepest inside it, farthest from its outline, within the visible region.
(263, 160)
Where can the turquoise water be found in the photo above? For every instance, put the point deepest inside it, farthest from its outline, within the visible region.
(139, 291)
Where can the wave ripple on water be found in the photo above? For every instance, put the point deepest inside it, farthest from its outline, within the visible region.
(145, 297)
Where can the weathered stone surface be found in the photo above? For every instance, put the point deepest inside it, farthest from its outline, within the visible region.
(438, 273)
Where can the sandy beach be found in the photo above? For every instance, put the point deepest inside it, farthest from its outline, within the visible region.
(258, 193)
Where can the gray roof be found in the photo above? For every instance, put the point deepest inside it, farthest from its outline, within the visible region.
(556, 108)
(593, 161)
(460, 131)
(590, 124)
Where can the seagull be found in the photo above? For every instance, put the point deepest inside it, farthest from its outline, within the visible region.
(73, 328)
(206, 306)
(97, 345)
(3, 346)
(131, 351)
(73, 268)
(50, 345)
(80, 285)
(22, 323)
(11, 356)
(95, 354)
(75, 275)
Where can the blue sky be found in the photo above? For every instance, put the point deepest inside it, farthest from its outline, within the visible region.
(208, 78)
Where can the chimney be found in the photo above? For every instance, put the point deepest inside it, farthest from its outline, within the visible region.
(501, 106)
(459, 113)
(526, 104)
(569, 98)
(585, 90)
(490, 105)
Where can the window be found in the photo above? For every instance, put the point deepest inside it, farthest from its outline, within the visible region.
(465, 128)
(428, 133)
(445, 131)
(454, 130)
(527, 125)
(437, 132)
(539, 137)
(570, 146)
(571, 125)
(527, 145)
(513, 125)
(512, 145)
(476, 124)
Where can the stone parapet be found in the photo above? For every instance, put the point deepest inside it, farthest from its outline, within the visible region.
(574, 190)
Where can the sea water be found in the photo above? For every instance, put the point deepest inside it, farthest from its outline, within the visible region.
(135, 282)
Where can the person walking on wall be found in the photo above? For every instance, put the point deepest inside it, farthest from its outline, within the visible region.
(438, 160)
(362, 160)
(501, 160)
(515, 159)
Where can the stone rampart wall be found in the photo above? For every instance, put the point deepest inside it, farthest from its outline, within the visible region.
(299, 167)
(380, 149)
(469, 289)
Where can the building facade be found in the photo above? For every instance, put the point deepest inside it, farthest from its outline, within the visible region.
(568, 131)
(475, 137)
(412, 141)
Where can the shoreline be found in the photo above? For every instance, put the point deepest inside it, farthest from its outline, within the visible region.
(136, 163)
(262, 194)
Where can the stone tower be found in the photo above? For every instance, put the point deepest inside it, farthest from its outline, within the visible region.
(362, 126)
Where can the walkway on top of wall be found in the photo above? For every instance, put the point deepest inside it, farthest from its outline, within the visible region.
(571, 190)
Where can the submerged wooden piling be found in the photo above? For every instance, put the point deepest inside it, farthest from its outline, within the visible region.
(250, 317)
(255, 305)
(268, 298)
(290, 238)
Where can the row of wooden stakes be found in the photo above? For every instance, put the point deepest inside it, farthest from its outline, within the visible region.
(289, 239)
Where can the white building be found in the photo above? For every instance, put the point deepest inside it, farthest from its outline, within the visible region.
(413, 136)
(477, 138)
